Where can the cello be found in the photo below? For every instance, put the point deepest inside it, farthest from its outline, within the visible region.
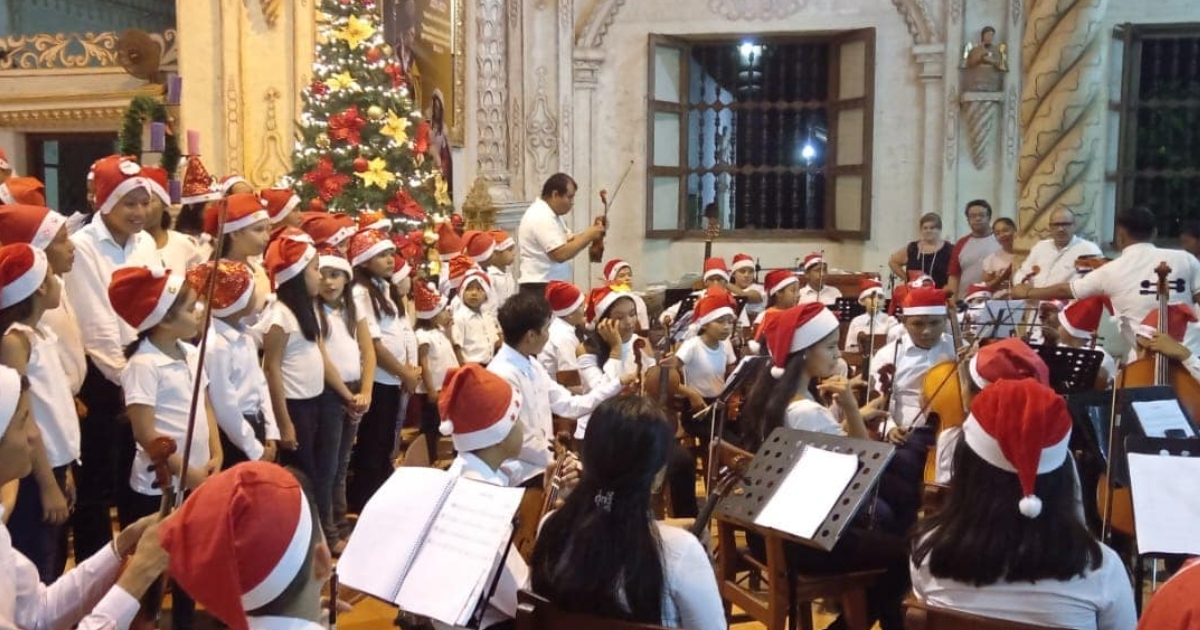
(947, 391)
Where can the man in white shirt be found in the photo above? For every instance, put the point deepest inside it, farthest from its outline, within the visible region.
(1054, 258)
(546, 246)
(966, 259)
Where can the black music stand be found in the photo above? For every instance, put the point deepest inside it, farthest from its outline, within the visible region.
(1072, 370)
(746, 370)
(847, 309)
(776, 458)
(683, 317)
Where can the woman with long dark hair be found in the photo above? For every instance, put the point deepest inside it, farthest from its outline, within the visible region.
(1009, 542)
(602, 553)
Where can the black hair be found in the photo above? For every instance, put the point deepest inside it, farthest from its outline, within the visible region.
(294, 295)
(349, 312)
(600, 554)
(191, 219)
(165, 221)
(1190, 228)
(521, 314)
(1006, 221)
(16, 313)
(180, 298)
(223, 246)
(279, 607)
(769, 397)
(986, 30)
(979, 537)
(383, 304)
(1138, 222)
(560, 183)
(982, 203)
(595, 344)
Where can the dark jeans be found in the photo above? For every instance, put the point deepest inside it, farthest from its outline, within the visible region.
(349, 433)
(183, 607)
(371, 458)
(106, 455)
(232, 453)
(431, 421)
(45, 545)
(328, 448)
(901, 482)
(305, 416)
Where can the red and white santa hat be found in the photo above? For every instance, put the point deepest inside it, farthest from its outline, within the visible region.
(240, 539)
(713, 305)
(1022, 427)
(371, 220)
(1178, 318)
(36, 225)
(286, 258)
(1007, 359)
(564, 298)
(280, 203)
(23, 190)
(478, 245)
(330, 257)
(368, 244)
(815, 258)
(868, 287)
(4, 164)
(229, 181)
(925, 301)
(449, 243)
(478, 408)
(401, 270)
(778, 280)
(234, 285)
(613, 267)
(159, 182)
(326, 228)
(241, 211)
(715, 267)
(1175, 605)
(742, 261)
(290, 233)
(978, 291)
(428, 300)
(197, 183)
(475, 274)
(141, 296)
(503, 240)
(794, 329)
(601, 299)
(1082, 318)
(117, 176)
(23, 269)
(921, 281)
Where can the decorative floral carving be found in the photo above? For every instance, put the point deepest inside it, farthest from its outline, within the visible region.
(541, 128)
(271, 161)
(233, 126)
(1012, 131)
(53, 51)
(980, 118)
(492, 114)
(271, 10)
(565, 149)
(956, 12)
(598, 23)
(918, 19)
(756, 9)
(1015, 8)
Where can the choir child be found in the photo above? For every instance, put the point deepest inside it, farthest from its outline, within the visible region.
(176, 251)
(1077, 326)
(282, 208)
(437, 357)
(503, 283)
(870, 296)
(561, 353)
(618, 275)
(815, 289)
(715, 274)
(475, 332)
(743, 284)
(244, 237)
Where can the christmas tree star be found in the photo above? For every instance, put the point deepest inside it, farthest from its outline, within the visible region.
(377, 174)
(356, 31)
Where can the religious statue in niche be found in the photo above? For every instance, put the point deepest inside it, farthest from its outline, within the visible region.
(985, 63)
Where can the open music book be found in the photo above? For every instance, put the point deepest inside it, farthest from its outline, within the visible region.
(430, 542)
(1165, 502)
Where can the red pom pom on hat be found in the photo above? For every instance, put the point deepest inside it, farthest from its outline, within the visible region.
(1008, 359)
(778, 280)
(23, 270)
(478, 408)
(23, 190)
(794, 329)
(35, 225)
(142, 295)
(1082, 318)
(234, 288)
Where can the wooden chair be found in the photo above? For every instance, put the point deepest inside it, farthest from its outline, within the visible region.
(918, 616)
(535, 613)
(417, 454)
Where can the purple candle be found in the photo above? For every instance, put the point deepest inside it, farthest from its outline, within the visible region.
(174, 89)
(193, 142)
(175, 189)
(158, 136)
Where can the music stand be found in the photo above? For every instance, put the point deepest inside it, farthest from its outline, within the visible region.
(1072, 370)
(847, 309)
(747, 368)
(683, 317)
(776, 458)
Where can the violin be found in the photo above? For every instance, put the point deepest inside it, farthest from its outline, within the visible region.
(730, 477)
(596, 249)
(1090, 262)
(161, 450)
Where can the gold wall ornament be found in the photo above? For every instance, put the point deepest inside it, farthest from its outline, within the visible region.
(479, 209)
(271, 10)
(272, 162)
(59, 51)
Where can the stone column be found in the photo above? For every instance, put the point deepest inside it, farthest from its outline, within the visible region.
(931, 66)
(1061, 115)
(586, 73)
(493, 113)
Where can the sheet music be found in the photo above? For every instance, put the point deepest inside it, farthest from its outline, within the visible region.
(1166, 505)
(1159, 416)
(809, 493)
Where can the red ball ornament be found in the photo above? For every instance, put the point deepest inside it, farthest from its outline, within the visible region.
(373, 54)
(316, 205)
(361, 165)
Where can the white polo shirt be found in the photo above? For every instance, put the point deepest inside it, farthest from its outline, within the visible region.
(476, 333)
(1054, 265)
(560, 351)
(912, 364)
(828, 295)
(50, 397)
(303, 366)
(395, 332)
(1121, 280)
(541, 231)
(238, 387)
(704, 367)
(180, 253)
(440, 356)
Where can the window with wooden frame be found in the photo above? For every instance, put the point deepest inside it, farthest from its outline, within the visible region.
(766, 136)
(1158, 123)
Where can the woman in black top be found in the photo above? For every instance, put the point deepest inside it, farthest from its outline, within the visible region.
(929, 256)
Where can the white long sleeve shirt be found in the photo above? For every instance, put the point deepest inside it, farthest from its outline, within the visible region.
(595, 377)
(1054, 265)
(559, 355)
(912, 364)
(1121, 280)
(97, 256)
(238, 387)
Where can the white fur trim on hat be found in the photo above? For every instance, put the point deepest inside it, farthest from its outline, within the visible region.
(742, 264)
(506, 244)
(716, 272)
(10, 387)
(563, 312)
(485, 281)
(246, 221)
(5, 166)
(228, 184)
(337, 262)
(487, 253)
(1073, 331)
(441, 305)
(973, 366)
(483, 438)
(789, 281)
(819, 260)
(293, 201)
(814, 330)
(988, 449)
(122, 189)
(869, 292)
(168, 296)
(925, 310)
(6, 195)
(28, 282)
(378, 248)
(607, 301)
(714, 316)
(296, 268)
(49, 228)
(238, 304)
(158, 191)
(211, 195)
(341, 235)
(288, 566)
(402, 273)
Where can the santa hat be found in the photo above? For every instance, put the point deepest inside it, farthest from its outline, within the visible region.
(286, 258)
(1178, 318)
(197, 183)
(601, 299)
(142, 295)
(36, 225)
(280, 203)
(715, 266)
(449, 243)
(742, 261)
(794, 329)
(778, 280)
(23, 190)
(23, 269)
(4, 165)
(10, 395)
(458, 268)
(330, 257)
(503, 240)
(1021, 427)
(1008, 359)
(368, 244)
(564, 297)
(814, 258)
(117, 176)
(475, 274)
(478, 245)
(229, 181)
(240, 540)
(371, 220)
(326, 228)
(400, 269)
(1175, 605)
(925, 301)
(868, 287)
(978, 291)
(158, 182)
(477, 407)
(713, 305)
(429, 302)
(290, 233)
(241, 211)
(614, 267)
(921, 281)
(1081, 318)
(234, 285)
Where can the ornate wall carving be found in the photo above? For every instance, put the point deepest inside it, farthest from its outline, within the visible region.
(54, 51)
(919, 20)
(541, 127)
(493, 108)
(273, 161)
(756, 9)
(980, 112)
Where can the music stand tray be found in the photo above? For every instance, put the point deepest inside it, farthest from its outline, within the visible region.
(775, 460)
(847, 309)
(1072, 370)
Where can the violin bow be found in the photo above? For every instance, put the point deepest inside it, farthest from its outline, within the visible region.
(620, 182)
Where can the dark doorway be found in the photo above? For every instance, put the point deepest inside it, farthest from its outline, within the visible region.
(62, 161)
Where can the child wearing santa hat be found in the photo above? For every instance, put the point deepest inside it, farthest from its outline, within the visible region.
(23, 190)
(1077, 326)
(234, 184)
(27, 290)
(782, 288)
(610, 345)
(436, 355)
(618, 275)
(475, 332)
(282, 208)
(744, 284)
(875, 321)
(560, 356)
(244, 237)
(1038, 563)
(715, 274)
(815, 289)
(503, 283)
(176, 251)
(706, 358)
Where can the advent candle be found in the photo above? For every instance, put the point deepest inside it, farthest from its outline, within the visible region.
(193, 142)
(158, 137)
(175, 189)
(174, 89)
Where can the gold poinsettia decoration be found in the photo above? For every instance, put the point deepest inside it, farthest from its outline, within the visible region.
(341, 81)
(355, 32)
(395, 127)
(377, 174)
(441, 189)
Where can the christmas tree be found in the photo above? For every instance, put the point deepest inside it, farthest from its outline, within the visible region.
(361, 143)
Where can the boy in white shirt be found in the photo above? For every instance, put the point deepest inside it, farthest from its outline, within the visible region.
(503, 283)
(561, 353)
(870, 295)
(475, 332)
(742, 284)
(816, 290)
